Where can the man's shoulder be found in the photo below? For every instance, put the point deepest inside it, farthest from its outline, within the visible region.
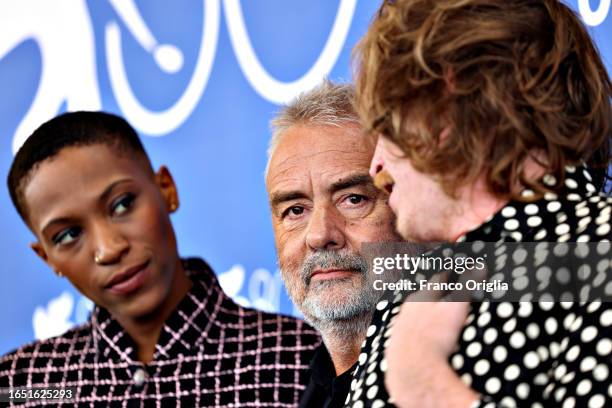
(18, 363)
(576, 217)
(593, 218)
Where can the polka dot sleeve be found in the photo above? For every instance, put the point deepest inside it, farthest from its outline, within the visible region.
(576, 368)
(538, 353)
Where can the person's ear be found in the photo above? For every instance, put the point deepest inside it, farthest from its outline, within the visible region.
(40, 251)
(166, 186)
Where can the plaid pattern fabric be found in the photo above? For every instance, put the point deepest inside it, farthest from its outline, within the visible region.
(211, 353)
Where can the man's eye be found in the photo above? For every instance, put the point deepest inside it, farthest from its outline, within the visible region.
(356, 199)
(123, 204)
(294, 211)
(66, 236)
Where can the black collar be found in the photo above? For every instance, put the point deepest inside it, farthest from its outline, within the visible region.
(325, 389)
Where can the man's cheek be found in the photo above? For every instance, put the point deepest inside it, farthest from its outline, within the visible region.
(295, 285)
(291, 248)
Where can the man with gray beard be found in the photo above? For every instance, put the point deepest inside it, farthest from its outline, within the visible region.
(337, 313)
(324, 206)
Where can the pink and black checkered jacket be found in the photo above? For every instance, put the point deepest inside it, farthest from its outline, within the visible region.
(211, 353)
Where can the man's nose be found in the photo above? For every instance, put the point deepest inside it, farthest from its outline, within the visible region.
(110, 244)
(377, 164)
(326, 229)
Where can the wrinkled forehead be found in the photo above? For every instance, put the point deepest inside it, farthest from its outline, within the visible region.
(319, 154)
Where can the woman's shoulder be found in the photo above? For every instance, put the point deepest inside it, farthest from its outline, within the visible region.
(17, 366)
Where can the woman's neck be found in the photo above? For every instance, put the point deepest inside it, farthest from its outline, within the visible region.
(145, 331)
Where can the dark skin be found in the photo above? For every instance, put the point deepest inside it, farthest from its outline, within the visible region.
(101, 218)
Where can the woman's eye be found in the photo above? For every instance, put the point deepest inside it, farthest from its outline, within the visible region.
(123, 204)
(66, 236)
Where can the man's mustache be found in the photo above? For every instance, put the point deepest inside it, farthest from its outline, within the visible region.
(328, 259)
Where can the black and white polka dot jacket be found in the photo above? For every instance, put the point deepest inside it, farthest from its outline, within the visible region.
(523, 354)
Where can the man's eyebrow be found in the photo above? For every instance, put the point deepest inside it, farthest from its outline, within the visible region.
(103, 197)
(284, 196)
(363, 179)
(353, 180)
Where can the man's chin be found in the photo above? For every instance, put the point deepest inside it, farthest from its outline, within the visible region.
(327, 316)
(336, 291)
(337, 304)
(334, 284)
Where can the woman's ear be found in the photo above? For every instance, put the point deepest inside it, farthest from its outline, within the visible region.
(40, 251)
(166, 185)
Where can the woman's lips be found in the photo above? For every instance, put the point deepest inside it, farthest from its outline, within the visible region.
(131, 281)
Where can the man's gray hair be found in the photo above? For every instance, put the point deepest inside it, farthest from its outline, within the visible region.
(328, 104)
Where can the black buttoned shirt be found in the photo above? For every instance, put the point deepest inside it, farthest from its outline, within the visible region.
(325, 389)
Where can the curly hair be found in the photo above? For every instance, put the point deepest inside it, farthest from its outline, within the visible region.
(508, 79)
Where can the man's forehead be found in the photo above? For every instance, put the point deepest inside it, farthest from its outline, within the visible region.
(326, 151)
(311, 176)
(349, 136)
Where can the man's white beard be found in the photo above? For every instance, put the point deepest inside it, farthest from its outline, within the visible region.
(342, 305)
(340, 299)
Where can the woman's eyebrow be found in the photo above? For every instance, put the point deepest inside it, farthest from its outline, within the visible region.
(108, 190)
(103, 197)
